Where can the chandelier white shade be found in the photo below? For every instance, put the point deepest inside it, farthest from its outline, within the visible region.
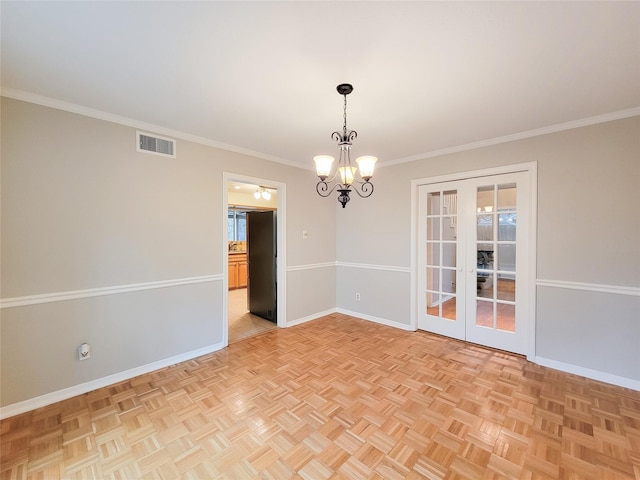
(366, 164)
(348, 178)
(323, 165)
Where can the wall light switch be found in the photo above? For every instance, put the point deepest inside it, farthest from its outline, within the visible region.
(305, 234)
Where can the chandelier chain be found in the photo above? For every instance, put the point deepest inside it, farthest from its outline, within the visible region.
(344, 117)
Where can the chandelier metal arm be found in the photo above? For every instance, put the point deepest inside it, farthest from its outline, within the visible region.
(322, 187)
(365, 190)
(345, 137)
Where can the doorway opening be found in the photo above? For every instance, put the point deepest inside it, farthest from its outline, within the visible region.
(245, 199)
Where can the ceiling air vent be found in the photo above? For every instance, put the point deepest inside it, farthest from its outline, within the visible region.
(150, 143)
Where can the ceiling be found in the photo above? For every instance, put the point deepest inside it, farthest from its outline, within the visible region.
(248, 188)
(260, 77)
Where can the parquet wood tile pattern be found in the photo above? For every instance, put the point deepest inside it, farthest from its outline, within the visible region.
(336, 398)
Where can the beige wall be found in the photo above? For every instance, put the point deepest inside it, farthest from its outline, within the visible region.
(82, 210)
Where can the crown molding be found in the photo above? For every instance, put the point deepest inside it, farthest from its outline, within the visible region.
(109, 117)
(129, 122)
(559, 127)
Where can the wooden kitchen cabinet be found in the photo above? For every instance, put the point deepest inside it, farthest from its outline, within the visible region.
(237, 270)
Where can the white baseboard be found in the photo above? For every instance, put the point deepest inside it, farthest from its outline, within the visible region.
(382, 321)
(308, 318)
(65, 393)
(589, 373)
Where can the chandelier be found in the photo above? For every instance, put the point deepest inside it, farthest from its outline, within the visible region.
(347, 177)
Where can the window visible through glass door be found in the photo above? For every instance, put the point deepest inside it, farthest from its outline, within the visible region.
(236, 225)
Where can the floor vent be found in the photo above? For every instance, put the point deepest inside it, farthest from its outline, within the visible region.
(150, 143)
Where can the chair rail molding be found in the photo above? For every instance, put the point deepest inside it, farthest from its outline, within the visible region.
(590, 287)
(96, 292)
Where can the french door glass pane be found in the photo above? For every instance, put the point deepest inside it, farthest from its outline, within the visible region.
(485, 200)
(450, 202)
(449, 228)
(485, 256)
(433, 304)
(449, 309)
(485, 227)
(506, 287)
(507, 227)
(448, 254)
(433, 279)
(505, 319)
(484, 284)
(433, 203)
(484, 313)
(433, 253)
(433, 228)
(507, 257)
(507, 196)
(448, 280)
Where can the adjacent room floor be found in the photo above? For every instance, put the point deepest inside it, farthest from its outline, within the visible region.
(336, 398)
(243, 324)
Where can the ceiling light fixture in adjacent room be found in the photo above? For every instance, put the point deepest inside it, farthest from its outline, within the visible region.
(263, 193)
(348, 177)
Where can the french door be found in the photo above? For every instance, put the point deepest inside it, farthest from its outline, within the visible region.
(472, 260)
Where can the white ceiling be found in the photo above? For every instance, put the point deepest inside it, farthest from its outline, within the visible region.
(261, 76)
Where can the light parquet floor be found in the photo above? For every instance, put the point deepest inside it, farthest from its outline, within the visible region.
(336, 398)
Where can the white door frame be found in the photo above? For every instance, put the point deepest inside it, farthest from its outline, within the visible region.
(532, 169)
(281, 261)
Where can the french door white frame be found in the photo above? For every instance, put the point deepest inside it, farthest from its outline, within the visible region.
(531, 168)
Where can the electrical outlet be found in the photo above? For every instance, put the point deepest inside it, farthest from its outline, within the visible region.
(358, 296)
(84, 351)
